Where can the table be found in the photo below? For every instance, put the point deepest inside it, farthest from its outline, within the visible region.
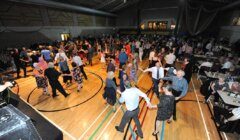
(214, 75)
(226, 48)
(205, 57)
(230, 100)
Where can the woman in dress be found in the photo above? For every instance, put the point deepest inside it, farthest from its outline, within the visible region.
(76, 74)
(102, 59)
(42, 63)
(165, 109)
(110, 90)
(41, 80)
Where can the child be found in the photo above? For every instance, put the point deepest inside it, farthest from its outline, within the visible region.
(102, 59)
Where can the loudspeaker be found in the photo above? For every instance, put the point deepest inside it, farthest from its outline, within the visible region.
(10, 97)
(14, 125)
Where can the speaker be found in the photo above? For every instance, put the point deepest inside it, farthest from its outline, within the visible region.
(10, 97)
(14, 125)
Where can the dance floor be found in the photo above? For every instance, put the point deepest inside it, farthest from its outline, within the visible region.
(84, 115)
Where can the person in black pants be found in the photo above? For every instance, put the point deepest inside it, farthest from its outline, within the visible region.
(52, 74)
(131, 98)
(83, 72)
(179, 88)
(18, 63)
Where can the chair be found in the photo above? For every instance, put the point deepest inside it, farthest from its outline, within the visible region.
(201, 70)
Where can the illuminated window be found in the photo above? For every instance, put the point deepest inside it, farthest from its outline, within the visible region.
(150, 25)
(65, 36)
(142, 26)
(172, 27)
(154, 25)
(162, 25)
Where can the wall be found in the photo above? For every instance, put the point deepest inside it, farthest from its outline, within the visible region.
(227, 29)
(27, 24)
(150, 10)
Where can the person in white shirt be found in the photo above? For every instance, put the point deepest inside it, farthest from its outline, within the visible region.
(140, 51)
(157, 73)
(170, 59)
(206, 64)
(131, 98)
(209, 46)
(229, 115)
(138, 44)
(62, 54)
(77, 59)
(228, 64)
(5, 86)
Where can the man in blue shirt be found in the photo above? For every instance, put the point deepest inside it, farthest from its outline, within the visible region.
(122, 58)
(179, 86)
(131, 98)
(46, 54)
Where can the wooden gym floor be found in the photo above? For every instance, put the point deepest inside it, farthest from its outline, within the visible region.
(84, 115)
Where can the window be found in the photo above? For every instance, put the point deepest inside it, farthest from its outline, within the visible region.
(157, 25)
(65, 36)
(150, 25)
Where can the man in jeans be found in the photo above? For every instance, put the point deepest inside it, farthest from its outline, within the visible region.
(131, 98)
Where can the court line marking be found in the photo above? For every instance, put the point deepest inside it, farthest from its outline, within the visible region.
(224, 134)
(100, 125)
(109, 122)
(162, 132)
(68, 134)
(201, 112)
(84, 133)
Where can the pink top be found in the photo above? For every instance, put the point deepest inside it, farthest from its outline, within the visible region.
(42, 63)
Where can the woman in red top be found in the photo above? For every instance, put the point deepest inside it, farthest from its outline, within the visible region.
(128, 49)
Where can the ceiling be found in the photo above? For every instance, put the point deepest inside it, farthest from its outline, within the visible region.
(104, 5)
(116, 5)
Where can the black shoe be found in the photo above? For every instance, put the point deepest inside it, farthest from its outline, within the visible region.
(174, 118)
(66, 95)
(117, 128)
(154, 133)
(55, 95)
(138, 134)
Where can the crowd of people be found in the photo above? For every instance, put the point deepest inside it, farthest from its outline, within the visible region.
(171, 64)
